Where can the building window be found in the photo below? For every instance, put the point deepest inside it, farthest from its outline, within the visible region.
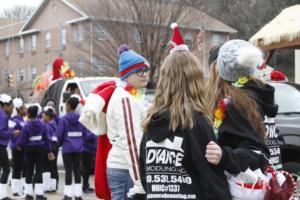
(21, 45)
(99, 64)
(80, 63)
(79, 32)
(48, 67)
(32, 73)
(54, 8)
(48, 40)
(216, 39)
(21, 74)
(101, 33)
(7, 44)
(33, 42)
(136, 35)
(63, 36)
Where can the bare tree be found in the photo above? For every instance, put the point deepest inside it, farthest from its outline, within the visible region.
(142, 24)
(248, 17)
(245, 16)
(17, 12)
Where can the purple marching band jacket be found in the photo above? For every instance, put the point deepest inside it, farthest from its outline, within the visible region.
(5, 132)
(71, 133)
(90, 143)
(17, 123)
(52, 126)
(35, 133)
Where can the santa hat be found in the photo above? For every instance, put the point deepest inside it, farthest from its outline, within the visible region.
(177, 43)
(267, 73)
(278, 76)
(56, 66)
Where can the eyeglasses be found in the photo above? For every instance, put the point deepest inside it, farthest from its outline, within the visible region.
(143, 71)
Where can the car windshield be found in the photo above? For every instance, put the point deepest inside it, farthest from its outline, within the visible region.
(89, 85)
(288, 98)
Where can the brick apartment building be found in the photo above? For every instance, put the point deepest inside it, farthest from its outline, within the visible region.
(56, 28)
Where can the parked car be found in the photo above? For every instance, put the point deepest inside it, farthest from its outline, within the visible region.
(287, 96)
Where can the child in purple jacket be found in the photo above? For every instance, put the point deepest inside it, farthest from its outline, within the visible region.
(34, 138)
(50, 176)
(88, 160)
(18, 155)
(71, 134)
(6, 108)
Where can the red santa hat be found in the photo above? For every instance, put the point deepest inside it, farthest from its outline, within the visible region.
(268, 73)
(56, 66)
(177, 43)
(278, 76)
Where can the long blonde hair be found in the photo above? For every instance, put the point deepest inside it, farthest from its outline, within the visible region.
(179, 92)
(219, 89)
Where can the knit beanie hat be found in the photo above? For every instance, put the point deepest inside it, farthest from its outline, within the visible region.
(130, 61)
(238, 58)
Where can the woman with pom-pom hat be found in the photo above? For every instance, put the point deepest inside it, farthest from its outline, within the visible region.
(238, 102)
(118, 120)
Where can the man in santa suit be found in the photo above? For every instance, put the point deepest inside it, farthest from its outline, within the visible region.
(115, 110)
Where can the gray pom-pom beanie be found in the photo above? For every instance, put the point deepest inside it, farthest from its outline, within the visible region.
(238, 58)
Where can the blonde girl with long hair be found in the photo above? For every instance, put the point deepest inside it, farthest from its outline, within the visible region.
(176, 132)
(238, 103)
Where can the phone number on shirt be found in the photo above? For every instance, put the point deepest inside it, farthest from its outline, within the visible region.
(168, 179)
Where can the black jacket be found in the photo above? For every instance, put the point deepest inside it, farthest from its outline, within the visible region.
(242, 145)
(173, 164)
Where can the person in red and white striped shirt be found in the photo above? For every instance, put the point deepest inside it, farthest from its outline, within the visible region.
(115, 111)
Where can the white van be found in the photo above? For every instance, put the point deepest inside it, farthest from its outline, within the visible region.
(61, 89)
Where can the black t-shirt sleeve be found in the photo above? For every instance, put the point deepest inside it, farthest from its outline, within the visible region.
(212, 177)
(242, 145)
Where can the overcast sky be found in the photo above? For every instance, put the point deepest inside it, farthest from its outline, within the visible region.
(11, 3)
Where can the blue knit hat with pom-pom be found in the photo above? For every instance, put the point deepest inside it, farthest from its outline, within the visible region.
(130, 61)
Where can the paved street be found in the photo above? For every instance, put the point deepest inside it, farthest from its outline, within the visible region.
(60, 193)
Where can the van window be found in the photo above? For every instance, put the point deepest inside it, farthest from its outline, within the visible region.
(89, 85)
(73, 88)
